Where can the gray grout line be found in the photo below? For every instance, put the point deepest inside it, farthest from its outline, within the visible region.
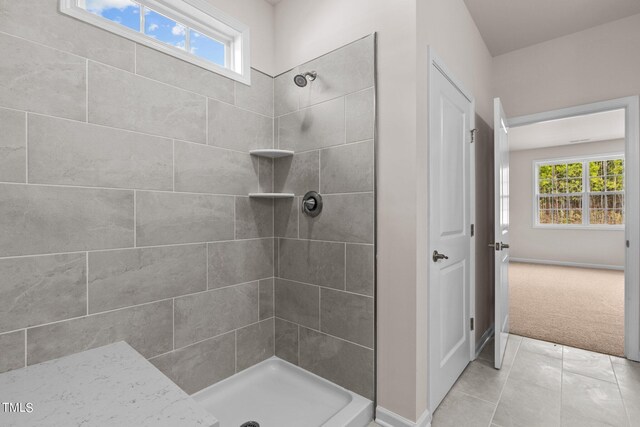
(207, 266)
(173, 323)
(326, 333)
(345, 266)
(173, 170)
(86, 95)
(132, 247)
(135, 219)
(26, 147)
(561, 382)
(161, 191)
(326, 287)
(87, 278)
(506, 380)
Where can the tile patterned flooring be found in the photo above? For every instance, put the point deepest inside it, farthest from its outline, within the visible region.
(543, 384)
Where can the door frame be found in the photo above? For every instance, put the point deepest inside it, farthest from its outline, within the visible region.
(436, 64)
(631, 105)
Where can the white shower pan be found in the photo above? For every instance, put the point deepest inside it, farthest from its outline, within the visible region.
(275, 393)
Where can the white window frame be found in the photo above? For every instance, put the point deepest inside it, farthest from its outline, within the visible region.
(198, 15)
(586, 191)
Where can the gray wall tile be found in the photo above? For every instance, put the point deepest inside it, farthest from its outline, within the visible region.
(360, 269)
(255, 344)
(72, 153)
(286, 213)
(168, 218)
(345, 217)
(297, 302)
(346, 364)
(212, 313)
(238, 129)
(265, 174)
(123, 100)
(287, 340)
(199, 365)
(315, 127)
(360, 115)
(35, 219)
(298, 173)
(347, 169)
(204, 169)
(147, 328)
(42, 289)
(286, 93)
(168, 69)
(254, 218)
(319, 263)
(266, 299)
(346, 70)
(40, 79)
(239, 261)
(40, 21)
(13, 150)
(12, 355)
(347, 316)
(259, 96)
(134, 276)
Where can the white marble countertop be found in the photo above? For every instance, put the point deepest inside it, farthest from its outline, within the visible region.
(106, 386)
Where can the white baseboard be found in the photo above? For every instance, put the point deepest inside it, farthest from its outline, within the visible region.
(568, 264)
(485, 339)
(386, 418)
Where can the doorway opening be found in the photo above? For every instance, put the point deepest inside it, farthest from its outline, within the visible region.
(573, 190)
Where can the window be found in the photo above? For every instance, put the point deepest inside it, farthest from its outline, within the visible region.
(580, 192)
(191, 30)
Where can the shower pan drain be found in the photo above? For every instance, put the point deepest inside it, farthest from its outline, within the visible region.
(251, 424)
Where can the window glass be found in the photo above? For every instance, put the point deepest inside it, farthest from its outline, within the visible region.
(164, 29)
(588, 192)
(206, 47)
(123, 12)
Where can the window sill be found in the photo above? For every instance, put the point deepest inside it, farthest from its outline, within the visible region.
(580, 227)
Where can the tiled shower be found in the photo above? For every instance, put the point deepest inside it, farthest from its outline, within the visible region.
(124, 208)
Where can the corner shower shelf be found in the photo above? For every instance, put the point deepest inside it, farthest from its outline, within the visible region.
(272, 195)
(271, 153)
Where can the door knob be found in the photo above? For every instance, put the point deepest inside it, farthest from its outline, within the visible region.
(436, 256)
(505, 246)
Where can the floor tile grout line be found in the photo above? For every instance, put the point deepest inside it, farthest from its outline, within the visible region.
(624, 405)
(505, 382)
(561, 384)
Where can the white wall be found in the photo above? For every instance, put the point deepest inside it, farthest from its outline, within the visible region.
(592, 65)
(603, 247)
(259, 16)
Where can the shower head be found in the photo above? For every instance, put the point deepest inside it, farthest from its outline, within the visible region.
(301, 80)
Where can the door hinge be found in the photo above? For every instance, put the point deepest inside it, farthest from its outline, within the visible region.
(473, 135)
(627, 243)
(473, 230)
(472, 325)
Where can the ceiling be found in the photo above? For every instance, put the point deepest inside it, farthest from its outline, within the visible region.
(273, 1)
(508, 25)
(572, 130)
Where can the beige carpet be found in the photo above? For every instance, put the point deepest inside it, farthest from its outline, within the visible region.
(579, 307)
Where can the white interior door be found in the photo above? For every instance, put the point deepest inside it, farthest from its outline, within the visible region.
(501, 238)
(450, 120)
